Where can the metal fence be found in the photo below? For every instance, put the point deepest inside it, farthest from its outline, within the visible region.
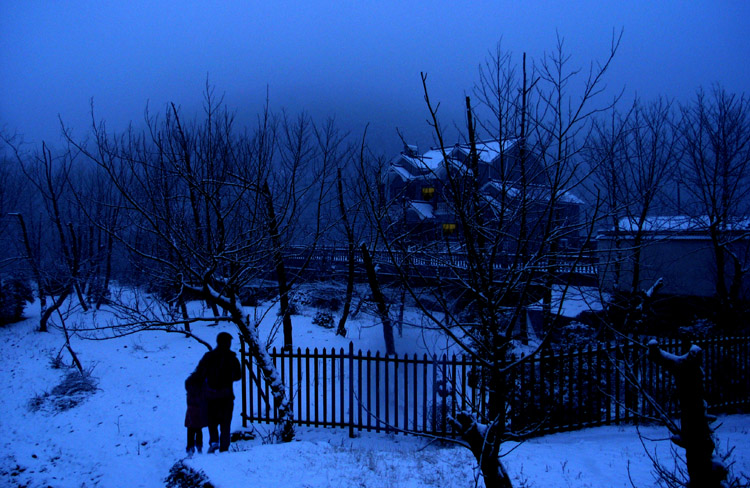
(549, 392)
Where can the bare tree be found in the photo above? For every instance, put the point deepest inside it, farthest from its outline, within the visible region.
(350, 257)
(651, 156)
(61, 264)
(634, 156)
(716, 172)
(604, 151)
(348, 211)
(513, 212)
(11, 191)
(194, 226)
(290, 175)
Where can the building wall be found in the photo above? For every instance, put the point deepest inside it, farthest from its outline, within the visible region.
(687, 265)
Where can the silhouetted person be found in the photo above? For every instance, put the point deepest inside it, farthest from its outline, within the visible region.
(196, 416)
(221, 368)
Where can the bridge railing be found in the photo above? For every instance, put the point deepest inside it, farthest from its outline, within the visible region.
(571, 263)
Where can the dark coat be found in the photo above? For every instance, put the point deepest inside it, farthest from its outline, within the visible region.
(221, 368)
(196, 416)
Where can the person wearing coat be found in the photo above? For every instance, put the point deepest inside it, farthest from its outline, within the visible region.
(196, 416)
(221, 368)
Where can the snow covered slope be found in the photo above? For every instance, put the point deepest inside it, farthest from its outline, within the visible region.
(130, 431)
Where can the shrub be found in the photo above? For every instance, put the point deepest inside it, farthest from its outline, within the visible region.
(576, 335)
(439, 412)
(318, 295)
(183, 476)
(293, 309)
(71, 391)
(325, 302)
(57, 362)
(323, 319)
(242, 435)
(698, 329)
(15, 293)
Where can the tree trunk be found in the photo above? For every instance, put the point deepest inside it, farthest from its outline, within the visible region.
(40, 288)
(215, 311)
(185, 314)
(278, 260)
(377, 295)
(284, 427)
(341, 329)
(56, 304)
(402, 306)
(107, 272)
(635, 284)
(484, 443)
(695, 435)
(284, 430)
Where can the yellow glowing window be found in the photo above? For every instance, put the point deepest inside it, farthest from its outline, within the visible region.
(428, 192)
(449, 229)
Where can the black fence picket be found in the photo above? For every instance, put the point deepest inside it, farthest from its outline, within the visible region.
(548, 392)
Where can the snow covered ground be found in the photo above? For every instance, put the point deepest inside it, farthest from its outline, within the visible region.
(130, 431)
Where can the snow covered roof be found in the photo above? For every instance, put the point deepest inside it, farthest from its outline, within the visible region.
(569, 197)
(679, 224)
(401, 171)
(664, 223)
(424, 210)
(432, 159)
(487, 150)
(534, 192)
(429, 162)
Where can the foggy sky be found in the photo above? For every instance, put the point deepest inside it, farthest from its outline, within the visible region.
(359, 61)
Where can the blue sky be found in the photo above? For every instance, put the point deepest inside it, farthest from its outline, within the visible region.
(358, 61)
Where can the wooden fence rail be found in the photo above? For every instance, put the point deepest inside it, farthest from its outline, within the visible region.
(550, 392)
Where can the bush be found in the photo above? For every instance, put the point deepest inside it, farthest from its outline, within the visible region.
(699, 329)
(293, 309)
(15, 293)
(321, 296)
(325, 302)
(439, 412)
(72, 390)
(575, 335)
(57, 362)
(323, 319)
(183, 476)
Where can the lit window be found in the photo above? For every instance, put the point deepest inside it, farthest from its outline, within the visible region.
(428, 192)
(449, 229)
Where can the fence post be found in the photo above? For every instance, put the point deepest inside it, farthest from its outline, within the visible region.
(243, 380)
(351, 389)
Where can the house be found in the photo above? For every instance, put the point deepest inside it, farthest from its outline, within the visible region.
(677, 249)
(420, 189)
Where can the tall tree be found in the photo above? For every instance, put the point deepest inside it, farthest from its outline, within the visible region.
(716, 171)
(194, 227)
(634, 156)
(507, 241)
(60, 260)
